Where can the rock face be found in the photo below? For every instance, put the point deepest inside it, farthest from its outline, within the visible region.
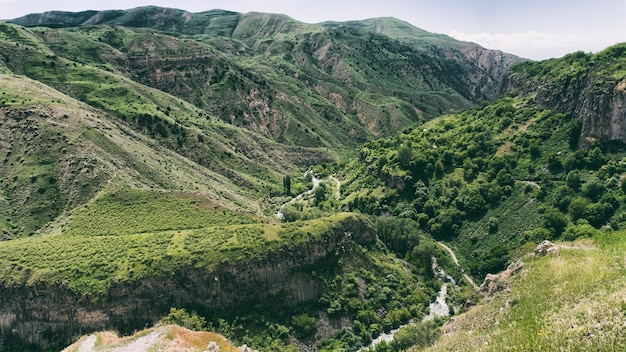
(50, 315)
(495, 283)
(598, 99)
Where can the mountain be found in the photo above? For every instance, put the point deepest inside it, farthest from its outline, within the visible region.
(588, 86)
(142, 158)
(146, 154)
(294, 82)
(530, 151)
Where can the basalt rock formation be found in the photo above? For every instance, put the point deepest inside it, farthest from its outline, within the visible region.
(590, 87)
(49, 315)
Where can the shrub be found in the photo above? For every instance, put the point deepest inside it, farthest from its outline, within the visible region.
(180, 317)
(303, 325)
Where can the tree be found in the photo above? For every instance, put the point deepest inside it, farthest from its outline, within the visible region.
(577, 207)
(555, 221)
(287, 184)
(595, 213)
(320, 193)
(405, 154)
(303, 325)
(573, 180)
(595, 158)
(593, 189)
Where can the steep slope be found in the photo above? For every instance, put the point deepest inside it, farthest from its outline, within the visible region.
(494, 179)
(571, 301)
(294, 82)
(484, 68)
(589, 86)
(58, 152)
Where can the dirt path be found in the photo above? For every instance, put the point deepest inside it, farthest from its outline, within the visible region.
(456, 261)
(88, 344)
(145, 343)
(316, 183)
(338, 190)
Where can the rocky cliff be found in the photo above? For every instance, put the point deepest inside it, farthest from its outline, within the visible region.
(49, 315)
(590, 87)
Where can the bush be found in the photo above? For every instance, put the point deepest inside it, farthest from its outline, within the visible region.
(180, 317)
(303, 325)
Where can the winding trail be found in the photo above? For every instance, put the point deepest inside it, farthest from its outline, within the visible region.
(456, 261)
(338, 190)
(316, 182)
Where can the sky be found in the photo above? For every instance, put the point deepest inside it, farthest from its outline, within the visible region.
(535, 29)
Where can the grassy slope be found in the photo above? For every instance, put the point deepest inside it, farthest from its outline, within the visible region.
(572, 301)
(58, 153)
(129, 234)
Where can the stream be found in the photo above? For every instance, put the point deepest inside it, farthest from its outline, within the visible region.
(316, 182)
(438, 308)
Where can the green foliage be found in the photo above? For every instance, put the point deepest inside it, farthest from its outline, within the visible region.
(287, 184)
(182, 318)
(399, 234)
(303, 325)
(90, 261)
(555, 221)
(502, 173)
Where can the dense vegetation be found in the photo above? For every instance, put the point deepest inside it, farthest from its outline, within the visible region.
(141, 144)
(492, 179)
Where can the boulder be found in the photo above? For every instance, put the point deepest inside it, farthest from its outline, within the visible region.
(546, 247)
(213, 347)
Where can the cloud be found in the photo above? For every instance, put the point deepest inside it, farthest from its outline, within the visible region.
(531, 44)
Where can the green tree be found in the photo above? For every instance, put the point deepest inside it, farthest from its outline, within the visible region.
(320, 193)
(577, 207)
(595, 158)
(287, 184)
(595, 213)
(593, 189)
(573, 180)
(405, 153)
(303, 325)
(555, 221)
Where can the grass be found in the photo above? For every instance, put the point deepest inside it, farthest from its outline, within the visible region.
(131, 211)
(573, 301)
(170, 337)
(131, 234)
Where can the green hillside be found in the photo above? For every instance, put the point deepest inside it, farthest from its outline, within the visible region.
(573, 301)
(294, 186)
(491, 179)
(293, 82)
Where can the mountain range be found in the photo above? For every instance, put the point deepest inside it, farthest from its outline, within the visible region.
(146, 153)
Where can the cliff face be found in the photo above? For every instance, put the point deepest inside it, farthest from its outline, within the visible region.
(50, 315)
(590, 87)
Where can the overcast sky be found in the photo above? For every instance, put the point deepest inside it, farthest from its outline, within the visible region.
(535, 29)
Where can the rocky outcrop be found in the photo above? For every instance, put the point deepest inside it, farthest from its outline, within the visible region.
(495, 283)
(597, 99)
(546, 247)
(49, 315)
